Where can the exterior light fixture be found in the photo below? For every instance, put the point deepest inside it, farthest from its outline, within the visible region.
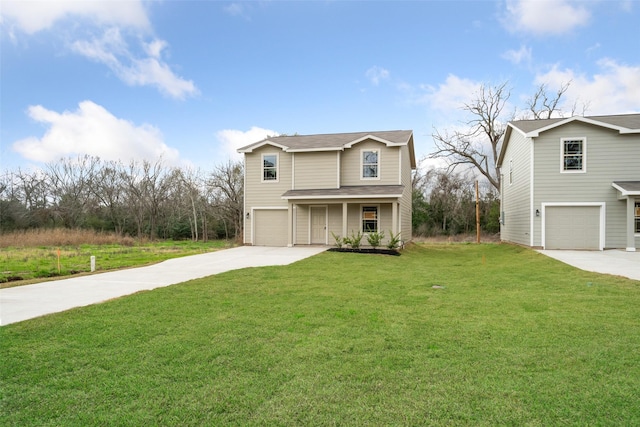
(537, 213)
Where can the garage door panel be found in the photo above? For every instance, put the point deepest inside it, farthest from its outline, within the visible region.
(572, 227)
(270, 227)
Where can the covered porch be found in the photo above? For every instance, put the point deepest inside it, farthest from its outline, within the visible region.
(629, 191)
(316, 217)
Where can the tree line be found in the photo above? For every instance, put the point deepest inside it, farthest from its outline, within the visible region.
(152, 200)
(142, 198)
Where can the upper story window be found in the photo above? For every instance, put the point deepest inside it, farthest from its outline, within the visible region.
(269, 167)
(370, 164)
(574, 155)
(637, 217)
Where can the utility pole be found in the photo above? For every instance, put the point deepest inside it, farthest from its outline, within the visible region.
(477, 214)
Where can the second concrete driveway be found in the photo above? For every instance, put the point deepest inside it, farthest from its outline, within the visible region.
(617, 262)
(29, 301)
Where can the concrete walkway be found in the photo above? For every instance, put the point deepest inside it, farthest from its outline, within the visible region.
(29, 301)
(617, 262)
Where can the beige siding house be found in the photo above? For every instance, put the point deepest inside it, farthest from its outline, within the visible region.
(302, 189)
(572, 183)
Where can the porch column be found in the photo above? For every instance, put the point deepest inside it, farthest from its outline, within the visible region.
(394, 218)
(290, 224)
(631, 242)
(344, 219)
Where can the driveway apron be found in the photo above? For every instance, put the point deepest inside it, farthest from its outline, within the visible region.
(616, 262)
(29, 301)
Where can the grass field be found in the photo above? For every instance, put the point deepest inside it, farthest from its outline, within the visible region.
(52, 253)
(506, 337)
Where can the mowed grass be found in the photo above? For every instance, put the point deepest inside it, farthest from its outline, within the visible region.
(508, 337)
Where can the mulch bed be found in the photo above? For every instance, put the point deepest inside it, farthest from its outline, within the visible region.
(367, 251)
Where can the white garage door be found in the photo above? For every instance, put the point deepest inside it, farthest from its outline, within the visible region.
(270, 227)
(572, 227)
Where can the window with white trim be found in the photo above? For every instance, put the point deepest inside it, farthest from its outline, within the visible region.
(637, 217)
(370, 164)
(269, 167)
(574, 155)
(369, 219)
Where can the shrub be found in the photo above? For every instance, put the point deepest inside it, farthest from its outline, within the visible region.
(393, 241)
(375, 239)
(355, 240)
(339, 240)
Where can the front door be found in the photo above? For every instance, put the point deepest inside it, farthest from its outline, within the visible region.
(319, 225)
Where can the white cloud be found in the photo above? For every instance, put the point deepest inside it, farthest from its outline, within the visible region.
(452, 94)
(34, 16)
(112, 50)
(233, 139)
(376, 74)
(523, 55)
(615, 89)
(94, 131)
(545, 17)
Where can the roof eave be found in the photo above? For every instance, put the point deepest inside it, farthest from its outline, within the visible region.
(250, 148)
(344, 196)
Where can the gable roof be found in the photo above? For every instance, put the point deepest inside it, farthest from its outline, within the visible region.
(335, 142)
(623, 123)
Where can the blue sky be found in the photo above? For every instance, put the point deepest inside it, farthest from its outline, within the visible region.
(194, 80)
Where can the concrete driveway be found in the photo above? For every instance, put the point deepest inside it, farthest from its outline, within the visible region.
(617, 262)
(29, 301)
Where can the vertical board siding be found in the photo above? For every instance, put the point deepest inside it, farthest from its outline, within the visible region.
(609, 157)
(516, 196)
(316, 170)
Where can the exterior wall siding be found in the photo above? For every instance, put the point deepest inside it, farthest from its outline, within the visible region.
(405, 211)
(516, 204)
(351, 169)
(609, 157)
(315, 170)
(326, 170)
(264, 194)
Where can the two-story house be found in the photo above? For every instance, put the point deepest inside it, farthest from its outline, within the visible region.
(302, 189)
(572, 183)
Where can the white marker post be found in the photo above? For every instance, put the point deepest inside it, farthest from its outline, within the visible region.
(93, 263)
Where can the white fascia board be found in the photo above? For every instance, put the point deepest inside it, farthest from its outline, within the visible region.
(375, 138)
(312, 150)
(386, 196)
(623, 192)
(262, 144)
(620, 129)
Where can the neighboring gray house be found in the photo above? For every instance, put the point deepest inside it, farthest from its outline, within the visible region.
(572, 183)
(300, 189)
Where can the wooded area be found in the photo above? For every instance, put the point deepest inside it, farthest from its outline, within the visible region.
(152, 200)
(141, 199)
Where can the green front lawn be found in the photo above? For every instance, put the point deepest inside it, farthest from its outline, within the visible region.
(507, 337)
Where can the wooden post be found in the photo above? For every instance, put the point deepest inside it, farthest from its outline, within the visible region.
(477, 214)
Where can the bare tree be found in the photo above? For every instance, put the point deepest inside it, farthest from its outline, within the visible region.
(479, 145)
(542, 106)
(227, 185)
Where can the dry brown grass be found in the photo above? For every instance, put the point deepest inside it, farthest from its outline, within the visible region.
(459, 238)
(62, 237)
